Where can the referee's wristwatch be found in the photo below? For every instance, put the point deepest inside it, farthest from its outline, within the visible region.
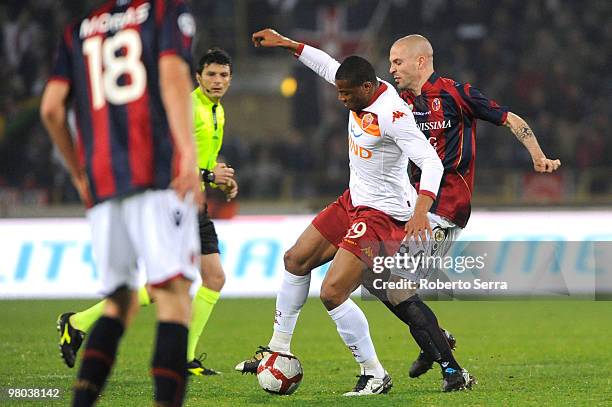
(208, 176)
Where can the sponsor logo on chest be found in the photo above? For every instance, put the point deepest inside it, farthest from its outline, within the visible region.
(357, 150)
(434, 125)
(362, 142)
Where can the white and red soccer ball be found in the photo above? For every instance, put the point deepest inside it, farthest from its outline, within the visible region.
(280, 373)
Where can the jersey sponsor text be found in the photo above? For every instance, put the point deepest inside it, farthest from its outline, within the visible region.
(440, 124)
(358, 150)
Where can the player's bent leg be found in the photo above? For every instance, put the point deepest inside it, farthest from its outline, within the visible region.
(428, 353)
(343, 277)
(426, 331)
(424, 362)
(169, 259)
(310, 251)
(116, 258)
(73, 327)
(168, 365)
(102, 343)
(402, 286)
(122, 305)
(213, 279)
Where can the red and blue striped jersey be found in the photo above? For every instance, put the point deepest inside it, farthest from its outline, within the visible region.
(446, 112)
(110, 59)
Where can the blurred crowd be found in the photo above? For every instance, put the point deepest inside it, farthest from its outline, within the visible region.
(548, 60)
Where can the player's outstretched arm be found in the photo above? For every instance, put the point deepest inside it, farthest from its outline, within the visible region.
(175, 85)
(315, 59)
(53, 116)
(270, 38)
(525, 135)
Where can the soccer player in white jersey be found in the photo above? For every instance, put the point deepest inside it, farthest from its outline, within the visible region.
(370, 219)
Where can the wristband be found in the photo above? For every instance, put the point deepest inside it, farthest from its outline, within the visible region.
(207, 176)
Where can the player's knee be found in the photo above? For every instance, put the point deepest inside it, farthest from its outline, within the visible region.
(175, 288)
(214, 281)
(398, 290)
(173, 301)
(122, 304)
(397, 296)
(332, 296)
(412, 309)
(121, 297)
(296, 264)
(220, 280)
(133, 309)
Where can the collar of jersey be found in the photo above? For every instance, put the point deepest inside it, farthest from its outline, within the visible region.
(382, 87)
(430, 82)
(204, 100)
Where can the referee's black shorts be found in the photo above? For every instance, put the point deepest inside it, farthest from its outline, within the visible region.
(209, 243)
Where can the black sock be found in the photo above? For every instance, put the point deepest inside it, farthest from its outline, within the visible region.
(420, 337)
(169, 364)
(98, 360)
(426, 331)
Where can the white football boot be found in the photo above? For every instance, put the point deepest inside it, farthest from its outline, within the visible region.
(368, 385)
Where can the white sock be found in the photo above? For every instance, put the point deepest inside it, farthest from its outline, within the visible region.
(353, 327)
(289, 302)
(372, 367)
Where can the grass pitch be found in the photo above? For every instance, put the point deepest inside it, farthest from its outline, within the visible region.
(538, 353)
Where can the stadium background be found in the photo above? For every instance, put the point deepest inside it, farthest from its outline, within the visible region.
(548, 60)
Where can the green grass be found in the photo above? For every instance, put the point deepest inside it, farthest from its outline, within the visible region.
(535, 353)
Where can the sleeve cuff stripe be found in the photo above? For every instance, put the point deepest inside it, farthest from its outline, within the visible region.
(504, 117)
(59, 79)
(427, 193)
(168, 52)
(299, 50)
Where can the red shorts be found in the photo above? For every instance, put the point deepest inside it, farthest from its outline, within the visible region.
(363, 231)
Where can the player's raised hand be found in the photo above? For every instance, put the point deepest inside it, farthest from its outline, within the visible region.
(543, 164)
(270, 38)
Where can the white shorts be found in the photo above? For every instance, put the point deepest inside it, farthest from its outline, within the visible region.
(154, 226)
(445, 233)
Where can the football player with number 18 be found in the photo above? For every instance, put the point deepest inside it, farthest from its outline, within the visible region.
(125, 68)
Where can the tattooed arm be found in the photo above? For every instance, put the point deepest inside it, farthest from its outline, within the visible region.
(525, 135)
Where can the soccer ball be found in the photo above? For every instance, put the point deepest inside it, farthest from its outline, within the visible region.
(279, 373)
